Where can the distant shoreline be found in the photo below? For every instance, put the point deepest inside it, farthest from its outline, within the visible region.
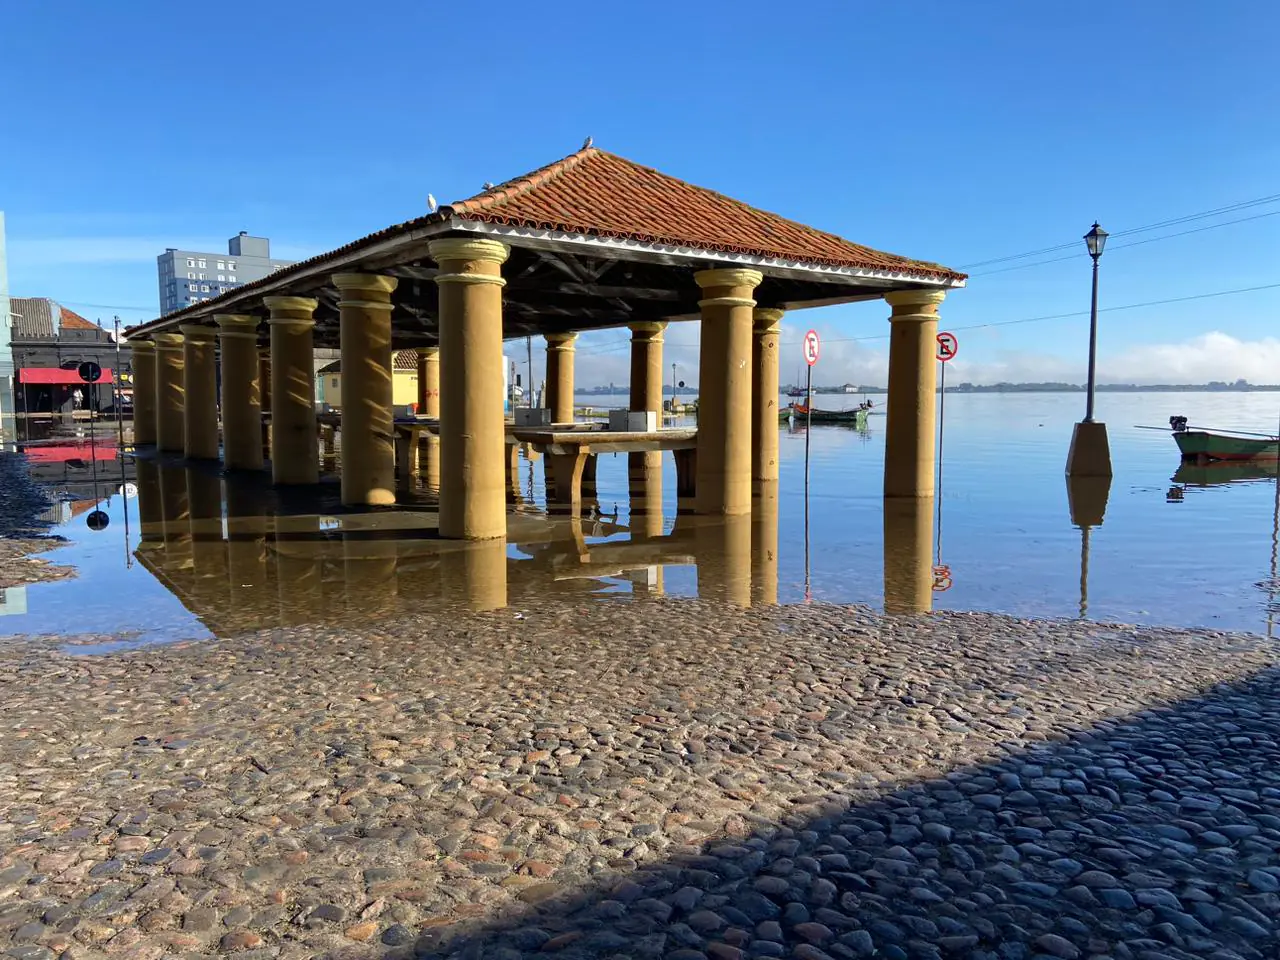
(996, 388)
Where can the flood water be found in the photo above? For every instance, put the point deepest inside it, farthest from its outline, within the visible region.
(1182, 547)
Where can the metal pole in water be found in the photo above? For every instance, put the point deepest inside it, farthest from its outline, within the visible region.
(528, 348)
(808, 422)
(942, 419)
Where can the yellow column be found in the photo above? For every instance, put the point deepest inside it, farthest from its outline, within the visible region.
(908, 555)
(429, 382)
(169, 393)
(241, 392)
(200, 388)
(767, 326)
(560, 351)
(724, 391)
(912, 404)
(144, 392)
(264, 378)
(429, 406)
(473, 502)
(295, 450)
(646, 367)
(645, 469)
(368, 420)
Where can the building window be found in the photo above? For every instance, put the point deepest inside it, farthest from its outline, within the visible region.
(203, 276)
(221, 265)
(190, 262)
(202, 264)
(231, 277)
(191, 276)
(221, 276)
(204, 288)
(231, 265)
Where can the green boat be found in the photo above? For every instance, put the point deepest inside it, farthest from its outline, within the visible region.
(1203, 446)
(856, 418)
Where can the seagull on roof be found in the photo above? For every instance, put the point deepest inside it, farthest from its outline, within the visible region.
(587, 142)
(488, 184)
(431, 202)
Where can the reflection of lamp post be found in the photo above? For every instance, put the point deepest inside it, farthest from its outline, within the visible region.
(1090, 454)
(1087, 503)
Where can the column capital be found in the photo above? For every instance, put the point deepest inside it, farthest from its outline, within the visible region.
(140, 345)
(926, 300)
(468, 248)
(237, 325)
(169, 341)
(728, 277)
(428, 353)
(293, 311)
(560, 341)
(767, 319)
(197, 331)
(650, 330)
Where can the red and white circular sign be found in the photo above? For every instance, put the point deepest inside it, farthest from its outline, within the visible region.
(947, 346)
(812, 347)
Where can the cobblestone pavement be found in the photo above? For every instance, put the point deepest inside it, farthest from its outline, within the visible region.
(648, 779)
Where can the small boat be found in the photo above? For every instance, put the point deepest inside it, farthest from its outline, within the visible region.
(1202, 445)
(795, 392)
(801, 411)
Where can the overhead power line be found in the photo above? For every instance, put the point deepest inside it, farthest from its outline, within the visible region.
(1122, 246)
(1065, 316)
(1174, 221)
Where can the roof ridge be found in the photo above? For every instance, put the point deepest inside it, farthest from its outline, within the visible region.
(522, 184)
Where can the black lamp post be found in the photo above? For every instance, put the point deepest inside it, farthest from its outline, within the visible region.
(1096, 240)
(1090, 454)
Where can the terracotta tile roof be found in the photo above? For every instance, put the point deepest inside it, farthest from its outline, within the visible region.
(601, 194)
(400, 360)
(73, 321)
(604, 195)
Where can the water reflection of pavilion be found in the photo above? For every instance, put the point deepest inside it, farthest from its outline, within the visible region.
(239, 559)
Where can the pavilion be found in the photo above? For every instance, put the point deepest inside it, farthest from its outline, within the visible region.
(588, 242)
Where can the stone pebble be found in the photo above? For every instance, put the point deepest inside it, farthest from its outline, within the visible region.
(796, 782)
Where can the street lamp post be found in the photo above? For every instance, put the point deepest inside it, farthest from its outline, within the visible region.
(1090, 454)
(1096, 240)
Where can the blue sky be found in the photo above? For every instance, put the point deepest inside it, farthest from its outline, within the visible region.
(957, 132)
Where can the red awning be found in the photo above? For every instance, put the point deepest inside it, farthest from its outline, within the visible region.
(58, 375)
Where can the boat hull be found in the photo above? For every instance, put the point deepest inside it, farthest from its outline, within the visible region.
(850, 418)
(1200, 445)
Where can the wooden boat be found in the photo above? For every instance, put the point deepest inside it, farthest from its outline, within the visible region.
(1203, 445)
(801, 411)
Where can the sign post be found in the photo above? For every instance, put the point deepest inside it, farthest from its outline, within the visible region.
(947, 346)
(812, 348)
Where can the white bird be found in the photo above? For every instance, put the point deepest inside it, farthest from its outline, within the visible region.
(587, 142)
(488, 184)
(431, 202)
